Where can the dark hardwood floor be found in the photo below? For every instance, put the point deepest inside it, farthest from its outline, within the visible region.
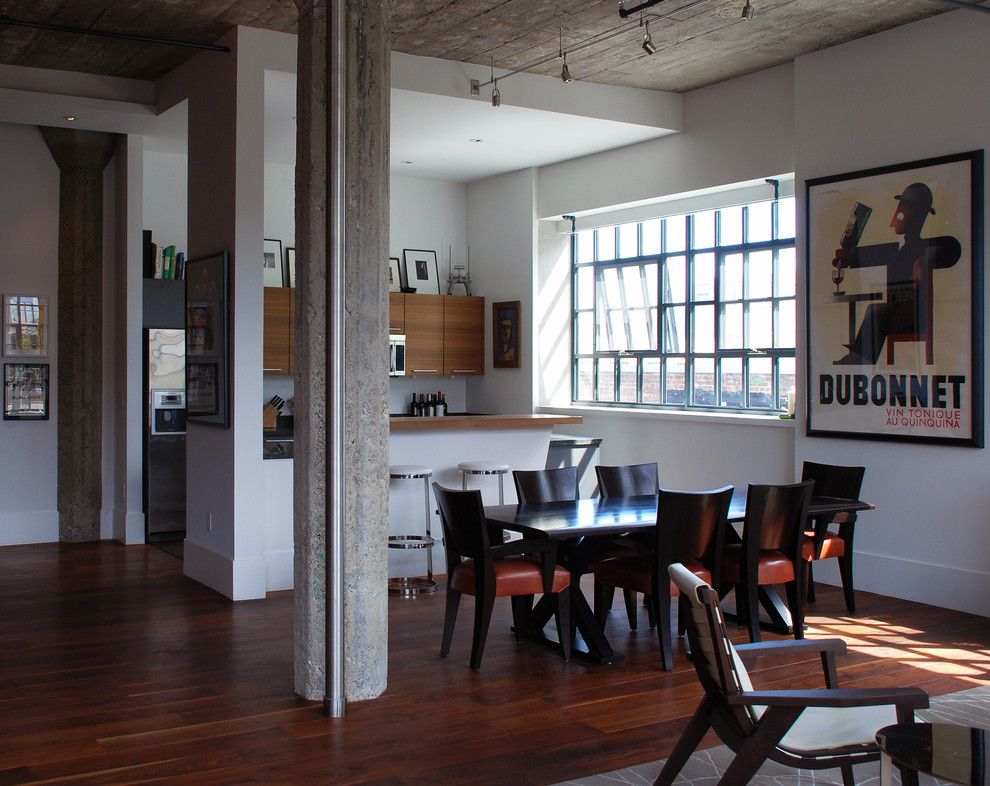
(114, 668)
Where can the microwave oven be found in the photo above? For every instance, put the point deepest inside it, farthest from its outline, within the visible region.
(396, 355)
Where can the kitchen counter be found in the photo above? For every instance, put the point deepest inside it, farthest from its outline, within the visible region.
(468, 421)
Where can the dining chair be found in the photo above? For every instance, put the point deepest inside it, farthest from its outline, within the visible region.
(546, 485)
(475, 566)
(690, 530)
(825, 542)
(809, 729)
(629, 480)
(771, 552)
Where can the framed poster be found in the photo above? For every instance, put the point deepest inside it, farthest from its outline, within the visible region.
(290, 267)
(274, 275)
(394, 277)
(895, 307)
(25, 391)
(421, 271)
(505, 334)
(207, 337)
(25, 326)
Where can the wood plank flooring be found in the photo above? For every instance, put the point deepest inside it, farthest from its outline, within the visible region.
(114, 668)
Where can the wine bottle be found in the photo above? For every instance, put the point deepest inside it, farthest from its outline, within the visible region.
(422, 405)
(413, 409)
(441, 404)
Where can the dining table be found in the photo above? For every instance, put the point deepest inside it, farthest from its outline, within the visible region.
(585, 527)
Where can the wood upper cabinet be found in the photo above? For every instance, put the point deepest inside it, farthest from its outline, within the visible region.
(279, 326)
(463, 335)
(424, 334)
(396, 312)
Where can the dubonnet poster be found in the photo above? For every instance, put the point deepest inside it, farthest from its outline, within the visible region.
(895, 302)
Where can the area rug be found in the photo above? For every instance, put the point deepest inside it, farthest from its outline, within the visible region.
(968, 708)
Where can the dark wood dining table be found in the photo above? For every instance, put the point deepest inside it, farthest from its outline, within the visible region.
(587, 525)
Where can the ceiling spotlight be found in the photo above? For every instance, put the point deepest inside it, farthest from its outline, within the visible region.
(648, 46)
(565, 72)
(496, 96)
(69, 118)
(747, 12)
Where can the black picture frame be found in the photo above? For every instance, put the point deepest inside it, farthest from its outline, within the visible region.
(395, 278)
(26, 391)
(208, 340)
(908, 365)
(421, 271)
(290, 266)
(506, 346)
(272, 267)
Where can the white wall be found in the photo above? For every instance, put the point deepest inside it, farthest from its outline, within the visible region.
(165, 190)
(29, 198)
(899, 96)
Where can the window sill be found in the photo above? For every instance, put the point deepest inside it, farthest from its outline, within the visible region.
(710, 418)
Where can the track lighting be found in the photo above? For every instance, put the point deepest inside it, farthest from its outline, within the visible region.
(648, 46)
(565, 72)
(747, 12)
(496, 96)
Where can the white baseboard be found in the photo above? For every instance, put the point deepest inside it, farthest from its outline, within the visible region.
(243, 579)
(128, 528)
(33, 526)
(945, 586)
(278, 570)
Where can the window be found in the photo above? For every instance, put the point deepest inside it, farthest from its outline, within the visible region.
(687, 312)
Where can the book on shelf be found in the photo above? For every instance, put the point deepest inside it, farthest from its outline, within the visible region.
(162, 262)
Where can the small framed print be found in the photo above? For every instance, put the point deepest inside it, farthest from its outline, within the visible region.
(25, 391)
(290, 267)
(207, 340)
(25, 326)
(272, 264)
(394, 278)
(421, 271)
(505, 334)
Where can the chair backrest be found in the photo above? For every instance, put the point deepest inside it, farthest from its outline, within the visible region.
(776, 517)
(546, 485)
(833, 480)
(719, 668)
(692, 526)
(630, 480)
(462, 516)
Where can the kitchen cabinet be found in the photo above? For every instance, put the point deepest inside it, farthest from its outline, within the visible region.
(279, 330)
(396, 312)
(445, 334)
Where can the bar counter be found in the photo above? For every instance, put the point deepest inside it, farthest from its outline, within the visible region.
(469, 421)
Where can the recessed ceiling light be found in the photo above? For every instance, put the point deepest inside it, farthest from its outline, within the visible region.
(405, 162)
(69, 118)
(476, 139)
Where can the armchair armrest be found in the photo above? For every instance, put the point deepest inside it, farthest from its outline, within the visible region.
(909, 698)
(796, 647)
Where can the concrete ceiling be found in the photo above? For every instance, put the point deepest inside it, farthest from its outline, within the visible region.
(699, 41)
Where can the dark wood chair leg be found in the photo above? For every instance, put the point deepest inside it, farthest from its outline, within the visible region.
(756, 749)
(519, 614)
(630, 598)
(811, 582)
(449, 618)
(692, 736)
(651, 617)
(603, 601)
(483, 605)
(846, 572)
(748, 603)
(795, 597)
(661, 610)
(909, 777)
(563, 615)
(847, 775)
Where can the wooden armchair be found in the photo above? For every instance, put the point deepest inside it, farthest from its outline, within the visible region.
(823, 541)
(811, 729)
(519, 569)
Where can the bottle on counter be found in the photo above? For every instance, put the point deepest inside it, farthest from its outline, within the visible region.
(422, 406)
(414, 406)
(441, 404)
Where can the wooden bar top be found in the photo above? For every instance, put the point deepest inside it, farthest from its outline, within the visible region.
(406, 423)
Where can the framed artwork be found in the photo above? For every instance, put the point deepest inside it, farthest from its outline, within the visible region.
(895, 307)
(505, 334)
(25, 326)
(207, 340)
(290, 267)
(272, 264)
(25, 391)
(394, 277)
(421, 271)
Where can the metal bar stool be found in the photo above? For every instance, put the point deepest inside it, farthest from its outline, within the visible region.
(408, 586)
(485, 468)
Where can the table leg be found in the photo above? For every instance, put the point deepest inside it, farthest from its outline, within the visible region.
(591, 644)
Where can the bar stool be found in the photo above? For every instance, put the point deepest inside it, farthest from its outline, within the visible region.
(408, 586)
(485, 468)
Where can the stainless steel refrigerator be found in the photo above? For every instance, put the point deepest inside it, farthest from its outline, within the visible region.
(165, 435)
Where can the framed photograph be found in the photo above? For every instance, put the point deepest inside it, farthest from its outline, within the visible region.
(25, 326)
(505, 334)
(895, 307)
(421, 271)
(25, 391)
(207, 340)
(272, 265)
(290, 267)
(394, 278)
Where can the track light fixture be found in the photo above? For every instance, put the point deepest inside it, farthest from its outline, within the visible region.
(565, 72)
(747, 12)
(648, 46)
(496, 96)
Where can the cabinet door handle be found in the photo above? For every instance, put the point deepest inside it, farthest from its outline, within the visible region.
(464, 371)
(273, 369)
(425, 371)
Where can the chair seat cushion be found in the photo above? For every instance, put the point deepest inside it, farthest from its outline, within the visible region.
(827, 728)
(832, 546)
(513, 576)
(633, 573)
(773, 567)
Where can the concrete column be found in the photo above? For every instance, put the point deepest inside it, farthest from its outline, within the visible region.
(81, 157)
(365, 639)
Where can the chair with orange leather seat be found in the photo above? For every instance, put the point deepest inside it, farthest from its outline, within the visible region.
(546, 485)
(690, 530)
(519, 569)
(771, 552)
(823, 541)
